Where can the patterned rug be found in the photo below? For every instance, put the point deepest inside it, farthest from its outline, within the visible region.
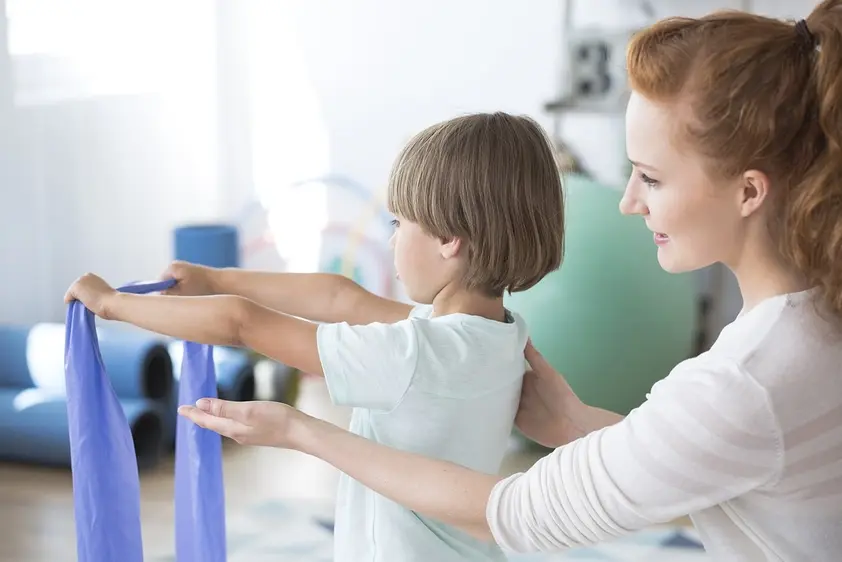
(303, 532)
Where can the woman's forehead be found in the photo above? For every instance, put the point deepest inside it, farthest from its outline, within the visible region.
(652, 132)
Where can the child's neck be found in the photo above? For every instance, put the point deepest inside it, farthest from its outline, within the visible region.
(460, 301)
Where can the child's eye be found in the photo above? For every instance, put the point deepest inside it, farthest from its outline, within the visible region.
(647, 180)
(396, 223)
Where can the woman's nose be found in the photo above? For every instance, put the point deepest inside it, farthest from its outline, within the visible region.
(631, 203)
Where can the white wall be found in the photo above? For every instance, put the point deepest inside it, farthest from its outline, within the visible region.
(384, 70)
(98, 186)
(119, 177)
(101, 161)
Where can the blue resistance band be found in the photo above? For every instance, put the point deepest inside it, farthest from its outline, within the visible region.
(106, 486)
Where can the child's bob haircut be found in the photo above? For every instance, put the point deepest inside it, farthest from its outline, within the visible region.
(493, 181)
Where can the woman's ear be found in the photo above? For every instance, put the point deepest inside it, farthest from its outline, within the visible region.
(754, 191)
(450, 248)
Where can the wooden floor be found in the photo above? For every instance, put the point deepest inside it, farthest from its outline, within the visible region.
(36, 504)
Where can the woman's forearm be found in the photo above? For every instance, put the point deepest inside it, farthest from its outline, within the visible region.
(437, 489)
(588, 419)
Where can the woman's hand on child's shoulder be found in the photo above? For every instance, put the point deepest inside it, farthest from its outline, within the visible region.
(269, 424)
(547, 404)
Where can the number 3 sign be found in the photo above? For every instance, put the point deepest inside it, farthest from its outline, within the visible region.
(597, 76)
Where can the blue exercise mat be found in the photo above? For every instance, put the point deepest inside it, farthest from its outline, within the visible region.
(138, 363)
(106, 487)
(34, 427)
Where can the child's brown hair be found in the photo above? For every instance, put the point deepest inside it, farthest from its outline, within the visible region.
(493, 181)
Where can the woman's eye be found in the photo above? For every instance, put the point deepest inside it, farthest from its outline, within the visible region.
(647, 180)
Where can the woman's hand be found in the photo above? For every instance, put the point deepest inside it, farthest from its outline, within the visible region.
(550, 413)
(192, 280)
(93, 292)
(548, 405)
(269, 424)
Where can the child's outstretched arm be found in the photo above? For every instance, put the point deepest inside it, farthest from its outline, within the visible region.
(439, 489)
(215, 320)
(321, 297)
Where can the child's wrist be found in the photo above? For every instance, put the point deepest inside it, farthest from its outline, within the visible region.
(217, 280)
(109, 308)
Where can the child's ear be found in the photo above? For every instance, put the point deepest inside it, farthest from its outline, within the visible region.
(450, 248)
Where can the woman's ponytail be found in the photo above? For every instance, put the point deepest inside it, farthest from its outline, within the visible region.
(813, 225)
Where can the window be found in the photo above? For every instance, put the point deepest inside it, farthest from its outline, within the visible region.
(76, 49)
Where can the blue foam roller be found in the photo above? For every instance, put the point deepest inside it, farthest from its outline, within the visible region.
(138, 363)
(213, 245)
(234, 371)
(14, 360)
(34, 427)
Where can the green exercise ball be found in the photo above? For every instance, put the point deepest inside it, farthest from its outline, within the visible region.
(610, 319)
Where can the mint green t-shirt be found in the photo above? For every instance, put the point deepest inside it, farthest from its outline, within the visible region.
(445, 387)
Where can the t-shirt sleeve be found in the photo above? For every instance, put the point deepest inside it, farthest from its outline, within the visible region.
(705, 435)
(368, 366)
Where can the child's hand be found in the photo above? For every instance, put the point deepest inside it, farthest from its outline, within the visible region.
(93, 292)
(192, 280)
(269, 424)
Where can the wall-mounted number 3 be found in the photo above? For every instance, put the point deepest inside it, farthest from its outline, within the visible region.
(593, 78)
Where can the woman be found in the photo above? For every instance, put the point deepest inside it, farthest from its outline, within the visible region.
(735, 131)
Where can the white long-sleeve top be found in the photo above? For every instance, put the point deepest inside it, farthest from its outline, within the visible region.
(746, 439)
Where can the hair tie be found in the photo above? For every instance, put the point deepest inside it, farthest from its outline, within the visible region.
(804, 33)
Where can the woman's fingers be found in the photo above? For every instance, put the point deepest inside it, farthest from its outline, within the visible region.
(222, 425)
(540, 365)
(224, 408)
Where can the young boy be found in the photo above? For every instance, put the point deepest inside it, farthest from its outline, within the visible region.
(479, 211)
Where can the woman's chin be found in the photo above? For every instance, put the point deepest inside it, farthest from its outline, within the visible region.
(671, 263)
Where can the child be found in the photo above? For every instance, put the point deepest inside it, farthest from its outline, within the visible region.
(479, 211)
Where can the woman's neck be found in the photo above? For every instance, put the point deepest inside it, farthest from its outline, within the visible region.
(761, 277)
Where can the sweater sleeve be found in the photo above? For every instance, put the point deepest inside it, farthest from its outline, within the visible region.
(705, 434)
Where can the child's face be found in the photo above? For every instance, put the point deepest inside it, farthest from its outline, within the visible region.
(424, 263)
